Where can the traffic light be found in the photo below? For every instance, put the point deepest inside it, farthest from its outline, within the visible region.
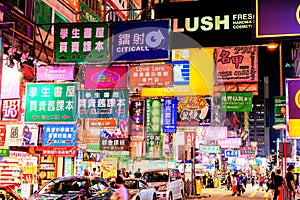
(270, 166)
(274, 159)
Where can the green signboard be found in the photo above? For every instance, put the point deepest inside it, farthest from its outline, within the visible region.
(280, 110)
(43, 14)
(153, 115)
(153, 146)
(87, 15)
(81, 43)
(236, 101)
(51, 102)
(4, 152)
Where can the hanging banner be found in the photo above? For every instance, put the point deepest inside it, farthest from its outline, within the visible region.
(50, 73)
(51, 102)
(151, 75)
(169, 115)
(193, 111)
(21, 135)
(10, 109)
(114, 144)
(153, 146)
(81, 43)
(136, 122)
(2, 134)
(105, 77)
(63, 151)
(153, 116)
(293, 107)
(280, 110)
(236, 101)
(112, 133)
(60, 135)
(236, 64)
(141, 41)
(103, 103)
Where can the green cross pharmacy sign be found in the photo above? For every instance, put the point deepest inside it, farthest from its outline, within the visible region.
(51, 102)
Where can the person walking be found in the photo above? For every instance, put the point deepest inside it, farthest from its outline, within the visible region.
(138, 173)
(278, 181)
(270, 182)
(94, 173)
(234, 183)
(187, 188)
(121, 193)
(290, 180)
(261, 182)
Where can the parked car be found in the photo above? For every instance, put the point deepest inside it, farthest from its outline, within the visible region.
(74, 187)
(168, 183)
(139, 189)
(7, 191)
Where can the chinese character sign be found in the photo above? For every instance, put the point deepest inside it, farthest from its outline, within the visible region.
(280, 110)
(10, 109)
(151, 75)
(169, 115)
(114, 144)
(236, 64)
(193, 111)
(81, 43)
(236, 101)
(60, 135)
(136, 123)
(51, 102)
(293, 107)
(153, 146)
(21, 135)
(168, 145)
(2, 134)
(103, 103)
(153, 115)
(137, 41)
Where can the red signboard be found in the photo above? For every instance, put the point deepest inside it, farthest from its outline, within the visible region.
(10, 109)
(57, 151)
(236, 64)
(151, 75)
(2, 134)
(102, 122)
(74, 4)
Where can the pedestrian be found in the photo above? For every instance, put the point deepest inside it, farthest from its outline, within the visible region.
(252, 180)
(204, 180)
(86, 172)
(121, 193)
(228, 181)
(271, 182)
(234, 183)
(187, 188)
(261, 182)
(290, 180)
(94, 173)
(123, 173)
(245, 180)
(138, 173)
(278, 181)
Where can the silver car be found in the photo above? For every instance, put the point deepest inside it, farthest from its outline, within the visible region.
(139, 189)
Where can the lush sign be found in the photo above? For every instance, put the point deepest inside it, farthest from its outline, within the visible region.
(51, 102)
(81, 43)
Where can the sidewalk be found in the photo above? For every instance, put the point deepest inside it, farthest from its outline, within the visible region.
(198, 196)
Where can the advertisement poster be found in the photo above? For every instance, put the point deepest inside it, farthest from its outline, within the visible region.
(29, 170)
(293, 107)
(155, 75)
(236, 101)
(143, 40)
(60, 135)
(50, 73)
(137, 119)
(105, 77)
(153, 115)
(193, 111)
(21, 135)
(280, 110)
(51, 102)
(103, 103)
(169, 115)
(181, 70)
(236, 64)
(168, 145)
(78, 42)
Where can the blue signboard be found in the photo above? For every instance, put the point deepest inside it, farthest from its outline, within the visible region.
(181, 71)
(170, 115)
(141, 41)
(60, 135)
(232, 153)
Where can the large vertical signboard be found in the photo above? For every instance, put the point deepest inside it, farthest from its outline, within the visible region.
(51, 102)
(280, 18)
(141, 41)
(153, 115)
(81, 43)
(236, 64)
(293, 107)
(280, 110)
(137, 120)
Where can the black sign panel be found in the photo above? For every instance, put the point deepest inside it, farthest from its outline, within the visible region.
(209, 23)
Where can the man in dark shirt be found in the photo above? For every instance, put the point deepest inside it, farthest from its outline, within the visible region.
(278, 180)
(290, 180)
